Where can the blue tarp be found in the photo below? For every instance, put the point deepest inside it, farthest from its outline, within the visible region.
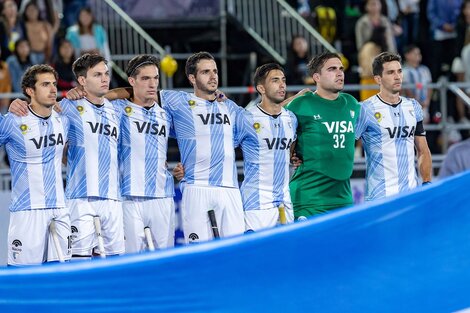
(406, 254)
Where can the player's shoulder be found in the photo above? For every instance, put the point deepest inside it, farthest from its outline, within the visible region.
(350, 100)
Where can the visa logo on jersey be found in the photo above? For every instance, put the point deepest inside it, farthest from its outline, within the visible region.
(278, 143)
(401, 131)
(48, 141)
(339, 127)
(103, 129)
(214, 118)
(150, 128)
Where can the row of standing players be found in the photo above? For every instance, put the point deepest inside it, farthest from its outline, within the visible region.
(320, 127)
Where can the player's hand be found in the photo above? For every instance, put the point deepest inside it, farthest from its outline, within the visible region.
(295, 161)
(57, 107)
(220, 96)
(178, 171)
(76, 93)
(19, 107)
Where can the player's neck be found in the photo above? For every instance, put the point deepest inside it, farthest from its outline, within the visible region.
(325, 94)
(145, 102)
(96, 100)
(389, 97)
(270, 107)
(204, 95)
(40, 110)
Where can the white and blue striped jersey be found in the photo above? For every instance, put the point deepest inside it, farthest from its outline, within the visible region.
(388, 136)
(206, 137)
(35, 145)
(92, 158)
(143, 149)
(265, 141)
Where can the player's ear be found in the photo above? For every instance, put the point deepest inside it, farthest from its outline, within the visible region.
(81, 80)
(30, 91)
(378, 79)
(192, 79)
(316, 77)
(260, 88)
(131, 81)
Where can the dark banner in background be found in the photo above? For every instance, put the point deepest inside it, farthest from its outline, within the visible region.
(163, 10)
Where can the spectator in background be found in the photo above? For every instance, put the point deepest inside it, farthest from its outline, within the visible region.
(373, 47)
(63, 66)
(417, 74)
(393, 13)
(18, 63)
(461, 63)
(88, 37)
(10, 28)
(5, 85)
(409, 20)
(374, 18)
(297, 60)
(457, 159)
(39, 34)
(442, 15)
(50, 11)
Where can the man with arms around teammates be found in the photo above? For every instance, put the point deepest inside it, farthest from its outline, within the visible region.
(266, 132)
(390, 127)
(35, 144)
(205, 131)
(325, 140)
(92, 161)
(147, 187)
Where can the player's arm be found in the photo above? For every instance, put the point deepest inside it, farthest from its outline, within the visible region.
(424, 158)
(294, 159)
(300, 93)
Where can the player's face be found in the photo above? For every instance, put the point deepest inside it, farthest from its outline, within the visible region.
(275, 86)
(206, 79)
(331, 76)
(45, 90)
(96, 82)
(392, 77)
(145, 83)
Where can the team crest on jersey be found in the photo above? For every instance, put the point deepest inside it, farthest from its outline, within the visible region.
(128, 110)
(80, 109)
(192, 103)
(378, 116)
(352, 113)
(24, 129)
(257, 127)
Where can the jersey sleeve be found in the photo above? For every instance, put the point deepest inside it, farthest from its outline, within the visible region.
(362, 121)
(418, 110)
(67, 106)
(241, 126)
(5, 127)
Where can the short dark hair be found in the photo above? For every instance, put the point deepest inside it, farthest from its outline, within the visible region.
(85, 62)
(381, 59)
(263, 71)
(193, 60)
(134, 65)
(30, 78)
(316, 63)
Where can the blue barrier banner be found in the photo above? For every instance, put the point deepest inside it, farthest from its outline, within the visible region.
(409, 253)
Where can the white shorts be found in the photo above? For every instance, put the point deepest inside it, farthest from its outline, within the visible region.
(29, 239)
(157, 214)
(261, 219)
(84, 237)
(198, 200)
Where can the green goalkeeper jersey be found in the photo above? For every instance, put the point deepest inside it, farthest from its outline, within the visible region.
(325, 143)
